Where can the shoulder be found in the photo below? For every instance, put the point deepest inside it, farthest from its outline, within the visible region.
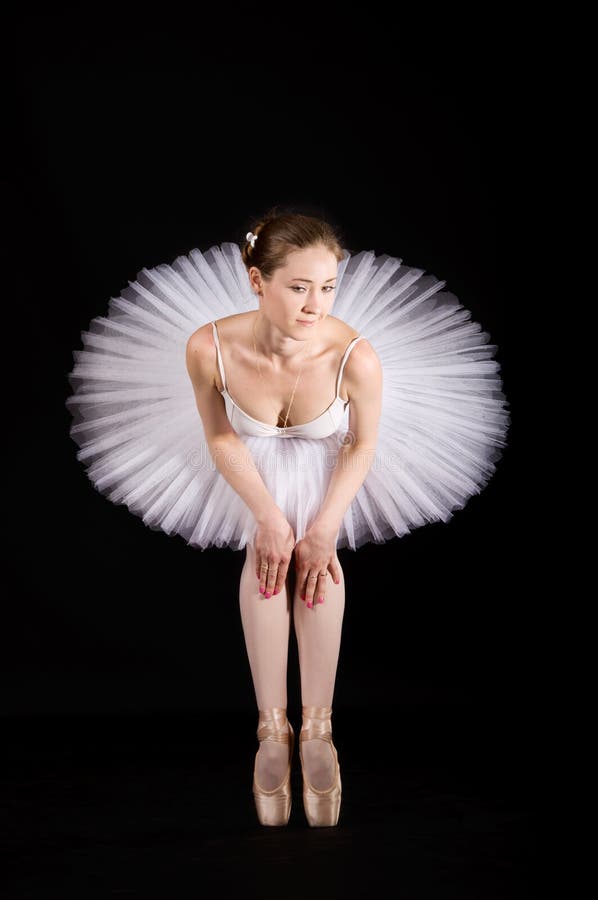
(200, 352)
(226, 326)
(363, 359)
(363, 370)
(362, 366)
(200, 340)
(340, 331)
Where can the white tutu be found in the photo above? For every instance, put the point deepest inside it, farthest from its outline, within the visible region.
(443, 423)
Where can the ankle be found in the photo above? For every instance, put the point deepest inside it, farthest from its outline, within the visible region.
(274, 713)
(316, 723)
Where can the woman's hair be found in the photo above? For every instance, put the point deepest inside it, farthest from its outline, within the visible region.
(280, 233)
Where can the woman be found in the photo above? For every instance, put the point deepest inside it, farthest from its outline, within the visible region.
(315, 431)
(261, 357)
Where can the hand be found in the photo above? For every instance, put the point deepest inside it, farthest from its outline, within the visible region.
(274, 542)
(315, 554)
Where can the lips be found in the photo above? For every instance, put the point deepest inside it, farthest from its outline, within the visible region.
(304, 322)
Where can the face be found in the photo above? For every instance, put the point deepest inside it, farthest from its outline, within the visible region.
(301, 290)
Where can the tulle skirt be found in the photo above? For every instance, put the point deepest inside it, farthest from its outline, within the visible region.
(443, 424)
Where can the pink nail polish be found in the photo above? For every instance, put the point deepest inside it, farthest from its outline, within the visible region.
(267, 594)
(309, 605)
(320, 599)
(262, 590)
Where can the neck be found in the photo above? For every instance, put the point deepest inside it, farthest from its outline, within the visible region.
(276, 346)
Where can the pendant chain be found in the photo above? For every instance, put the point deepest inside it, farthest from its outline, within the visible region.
(264, 380)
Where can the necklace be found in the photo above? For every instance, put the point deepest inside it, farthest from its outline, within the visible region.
(263, 379)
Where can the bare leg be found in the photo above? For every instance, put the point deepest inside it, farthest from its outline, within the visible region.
(266, 626)
(318, 633)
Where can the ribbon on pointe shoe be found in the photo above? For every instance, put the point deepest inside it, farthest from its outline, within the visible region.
(273, 725)
(316, 723)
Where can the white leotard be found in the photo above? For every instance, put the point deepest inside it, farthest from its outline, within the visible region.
(322, 426)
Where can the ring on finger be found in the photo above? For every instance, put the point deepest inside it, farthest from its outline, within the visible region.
(272, 578)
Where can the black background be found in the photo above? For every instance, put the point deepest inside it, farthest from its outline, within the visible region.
(138, 139)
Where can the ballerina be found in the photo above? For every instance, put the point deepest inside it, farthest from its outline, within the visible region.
(289, 432)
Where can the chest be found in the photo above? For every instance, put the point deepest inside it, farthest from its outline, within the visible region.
(275, 397)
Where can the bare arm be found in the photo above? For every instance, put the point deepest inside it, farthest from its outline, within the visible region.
(274, 537)
(231, 455)
(364, 388)
(316, 552)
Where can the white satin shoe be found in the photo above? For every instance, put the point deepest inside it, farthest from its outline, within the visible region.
(321, 807)
(273, 807)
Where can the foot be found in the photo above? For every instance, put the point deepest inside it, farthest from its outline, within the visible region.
(318, 762)
(272, 762)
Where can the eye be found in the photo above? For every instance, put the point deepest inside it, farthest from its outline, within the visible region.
(327, 287)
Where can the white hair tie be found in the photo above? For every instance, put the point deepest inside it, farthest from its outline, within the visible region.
(251, 237)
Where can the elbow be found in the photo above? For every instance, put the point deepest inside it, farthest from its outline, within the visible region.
(220, 440)
(357, 445)
(225, 447)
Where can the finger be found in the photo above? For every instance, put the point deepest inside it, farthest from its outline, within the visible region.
(310, 588)
(319, 588)
(320, 595)
(300, 578)
(262, 575)
(281, 577)
(335, 570)
(271, 579)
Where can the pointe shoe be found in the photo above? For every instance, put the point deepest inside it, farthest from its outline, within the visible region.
(322, 807)
(273, 807)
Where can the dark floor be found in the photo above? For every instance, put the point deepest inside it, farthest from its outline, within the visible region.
(438, 802)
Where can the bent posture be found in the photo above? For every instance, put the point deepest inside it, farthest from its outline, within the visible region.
(288, 371)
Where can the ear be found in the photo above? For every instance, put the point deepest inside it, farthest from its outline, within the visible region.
(255, 278)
